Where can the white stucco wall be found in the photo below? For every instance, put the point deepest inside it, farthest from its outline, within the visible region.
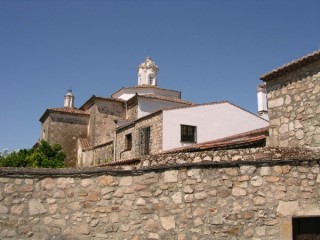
(213, 121)
(147, 105)
(127, 93)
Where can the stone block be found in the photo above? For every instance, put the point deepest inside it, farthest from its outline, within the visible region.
(170, 176)
(36, 207)
(287, 208)
(125, 181)
(168, 222)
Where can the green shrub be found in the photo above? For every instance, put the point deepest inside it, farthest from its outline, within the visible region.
(44, 155)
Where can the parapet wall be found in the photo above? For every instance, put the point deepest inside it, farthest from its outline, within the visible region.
(253, 196)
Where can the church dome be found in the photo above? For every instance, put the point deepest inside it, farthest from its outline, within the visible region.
(148, 63)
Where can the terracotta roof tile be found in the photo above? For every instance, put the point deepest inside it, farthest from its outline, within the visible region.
(244, 139)
(291, 66)
(68, 110)
(169, 99)
(85, 143)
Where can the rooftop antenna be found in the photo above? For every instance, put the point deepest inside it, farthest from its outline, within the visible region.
(148, 52)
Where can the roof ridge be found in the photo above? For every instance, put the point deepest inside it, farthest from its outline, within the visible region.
(293, 65)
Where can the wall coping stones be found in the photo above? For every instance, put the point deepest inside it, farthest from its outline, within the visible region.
(161, 162)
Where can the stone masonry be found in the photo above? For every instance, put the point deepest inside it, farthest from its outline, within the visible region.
(210, 198)
(154, 121)
(293, 107)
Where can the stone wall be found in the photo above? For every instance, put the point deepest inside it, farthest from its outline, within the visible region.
(96, 155)
(230, 199)
(155, 124)
(65, 130)
(102, 125)
(293, 107)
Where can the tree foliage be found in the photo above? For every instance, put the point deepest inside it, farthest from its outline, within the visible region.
(44, 155)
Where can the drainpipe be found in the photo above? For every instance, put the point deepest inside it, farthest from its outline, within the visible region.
(115, 140)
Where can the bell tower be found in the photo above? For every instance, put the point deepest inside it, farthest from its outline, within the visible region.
(69, 99)
(148, 73)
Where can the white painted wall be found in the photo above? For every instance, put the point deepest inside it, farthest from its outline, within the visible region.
(127, 93)
(213, 121)
(149, 105)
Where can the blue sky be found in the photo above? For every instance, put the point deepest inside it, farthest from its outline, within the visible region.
(209, 50)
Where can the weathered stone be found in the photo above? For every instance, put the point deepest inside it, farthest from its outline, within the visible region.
(256, 181)
(105, 180)
(188, 198)
(246, 215)
(194, 173)
(187, 189)
(287, 208)
(238, 192)
(259, 201)
(152, 226)
(75, 206)
(86, 182)
(17, 209)
(3, 209)
(272, 179)
(217, 220)
(93, 197)
(83, 229)
(64, 183)
(141, 202)
(125, 181)
(265, 171)
(168, 222)
(200, 196)
(177, 198)
(48, 184)
(36, 207)
(170, 176)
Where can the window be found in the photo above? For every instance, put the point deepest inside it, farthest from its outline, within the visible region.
(306, 228)
(144, 141)
(150, 80)
(188, 133)
(128, 141)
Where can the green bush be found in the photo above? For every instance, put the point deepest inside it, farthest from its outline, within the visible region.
(44, 155)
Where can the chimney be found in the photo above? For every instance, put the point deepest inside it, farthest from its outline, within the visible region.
(262, 102)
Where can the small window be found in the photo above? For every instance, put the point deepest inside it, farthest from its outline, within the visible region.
(145, 141)
(128, 141)
(188, 133)
(306, 227)
(150, 80)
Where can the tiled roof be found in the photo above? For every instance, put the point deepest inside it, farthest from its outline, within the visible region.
(68, 110)
(65, 110)
(93, 98)
(291, 66)
(145, 86)
(169, 99)
(239, 140)
(85, 143)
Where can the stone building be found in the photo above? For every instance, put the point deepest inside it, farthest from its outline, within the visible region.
(231, 188)
(168, 129)
(293, 93)
(99, 130)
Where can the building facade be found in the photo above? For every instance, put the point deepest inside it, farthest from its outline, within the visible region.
(139, 120)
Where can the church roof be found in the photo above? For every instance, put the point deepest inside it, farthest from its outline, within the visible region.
(145, 86)
(93, 98)
(64, 110)
(289, 67)
(169, 99)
